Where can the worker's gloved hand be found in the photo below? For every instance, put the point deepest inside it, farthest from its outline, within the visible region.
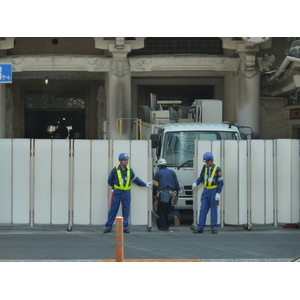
(149, 184)
(217, 197)
(194, 185)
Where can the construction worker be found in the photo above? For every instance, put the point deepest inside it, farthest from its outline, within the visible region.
(120, 179)
(166, 186)
(211, 176)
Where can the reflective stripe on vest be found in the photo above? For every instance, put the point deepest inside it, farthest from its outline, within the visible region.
(120, 178)
(206, 184)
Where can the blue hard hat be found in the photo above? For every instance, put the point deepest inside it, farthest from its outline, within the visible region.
(123, 156)
(207, 156)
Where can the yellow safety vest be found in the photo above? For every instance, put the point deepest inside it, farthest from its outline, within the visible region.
(120, 178)
(206, 184)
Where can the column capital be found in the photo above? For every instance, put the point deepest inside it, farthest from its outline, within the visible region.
(248, 55)
(118, 51)
(119, 46)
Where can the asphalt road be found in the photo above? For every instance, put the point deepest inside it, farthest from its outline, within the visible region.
(89, 243)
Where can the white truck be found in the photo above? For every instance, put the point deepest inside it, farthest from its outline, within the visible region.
(173, 138)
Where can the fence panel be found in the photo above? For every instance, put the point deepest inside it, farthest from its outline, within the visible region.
(42, 181)
(269, 179)
(243, 182)
(60, 189)
(139, 153)
(295, 184)
(21, 181)
(53, 183)
(261, 199)
(235, 182)
(6, 180)
(82, 182)
(99, 186)
(287, 181)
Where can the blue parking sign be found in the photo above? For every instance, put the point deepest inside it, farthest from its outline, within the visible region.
(5, 73)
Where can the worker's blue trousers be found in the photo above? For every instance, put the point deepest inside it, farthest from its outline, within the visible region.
(208, 202)
(124, 198)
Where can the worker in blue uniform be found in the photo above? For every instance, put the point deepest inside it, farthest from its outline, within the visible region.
(211, 176)
(165, 193)
(120, 179)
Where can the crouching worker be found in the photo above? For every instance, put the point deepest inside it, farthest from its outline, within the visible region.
(120, 179)
(166, 185)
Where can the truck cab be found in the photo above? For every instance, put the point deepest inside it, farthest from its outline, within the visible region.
(175, 143)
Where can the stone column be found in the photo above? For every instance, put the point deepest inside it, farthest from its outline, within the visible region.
(2, 110)
(248, 90)
(119, 91)
(229, 107)
(118, 81)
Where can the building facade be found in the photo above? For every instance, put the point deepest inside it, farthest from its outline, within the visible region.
(81, 83)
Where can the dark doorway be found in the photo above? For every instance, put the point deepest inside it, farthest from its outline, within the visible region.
(51, 124)
(56, 113)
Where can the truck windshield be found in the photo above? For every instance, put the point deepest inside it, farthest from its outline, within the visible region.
(178, 147)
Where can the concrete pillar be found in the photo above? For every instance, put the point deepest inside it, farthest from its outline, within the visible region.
(248, 91)
(119, 91)
(247, 104)
(2, 110)
(118, 81)
(229, 105)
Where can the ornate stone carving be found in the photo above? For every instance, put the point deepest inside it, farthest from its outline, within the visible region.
(98, 62)
(139, 63)
(266, 62)
(224, 63)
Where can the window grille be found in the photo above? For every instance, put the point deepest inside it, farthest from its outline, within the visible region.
(180, 46)
(51, 100)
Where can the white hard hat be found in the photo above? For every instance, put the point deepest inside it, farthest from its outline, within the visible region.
(161, 162)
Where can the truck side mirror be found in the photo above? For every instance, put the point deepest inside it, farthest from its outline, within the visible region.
(154, 140)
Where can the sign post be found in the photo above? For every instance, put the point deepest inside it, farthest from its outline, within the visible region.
(5, 73)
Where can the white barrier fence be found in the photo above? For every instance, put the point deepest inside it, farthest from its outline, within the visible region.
(262, 179)
(65, 182)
